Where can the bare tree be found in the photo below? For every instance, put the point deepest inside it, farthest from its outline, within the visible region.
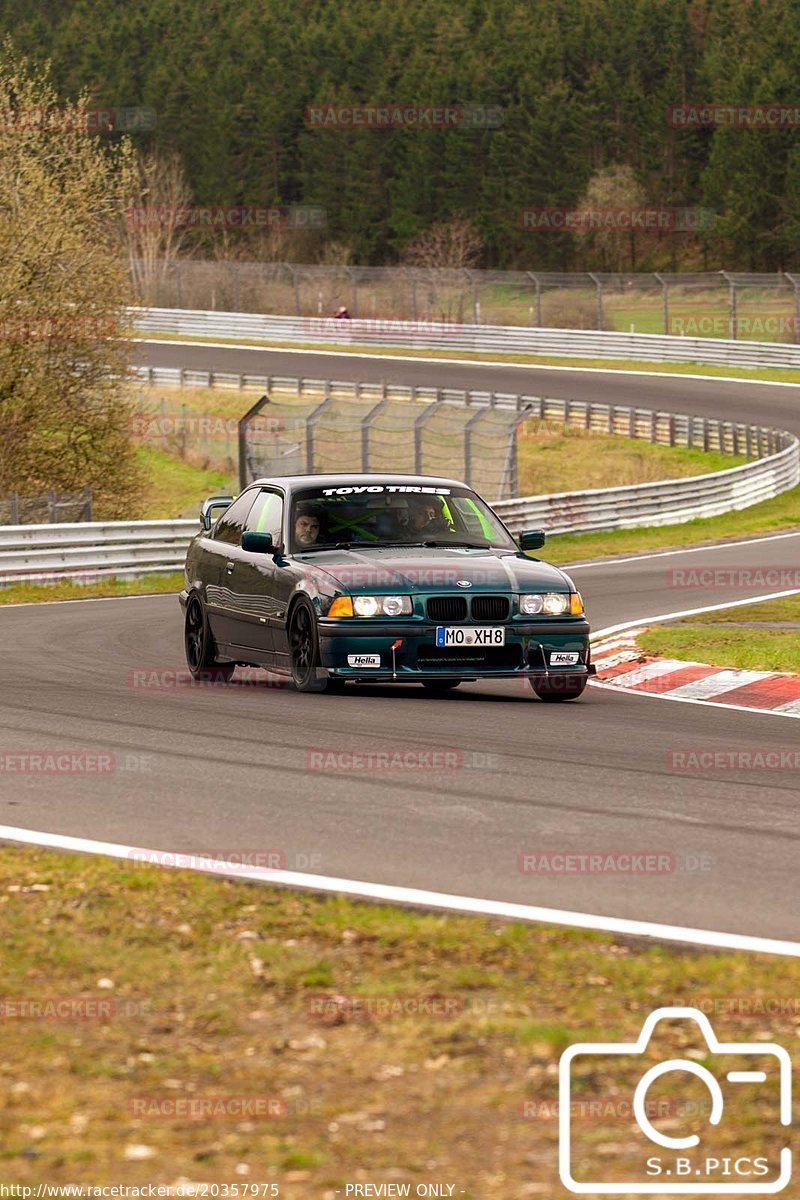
(335, 254)
(454, 244)
(156, 225)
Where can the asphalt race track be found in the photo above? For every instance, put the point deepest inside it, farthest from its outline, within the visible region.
(237, 767)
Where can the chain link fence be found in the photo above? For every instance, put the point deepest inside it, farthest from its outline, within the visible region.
(721, 304)
(51, 508)
(314, 427)
(307, 426)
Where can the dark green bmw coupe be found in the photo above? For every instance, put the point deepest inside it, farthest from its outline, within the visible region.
(377, 578)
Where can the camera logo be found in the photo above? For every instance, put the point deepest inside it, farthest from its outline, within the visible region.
(742, 1080)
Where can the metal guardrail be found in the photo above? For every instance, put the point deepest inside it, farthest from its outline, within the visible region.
(89, 550)
(85, 551)
(442, 335)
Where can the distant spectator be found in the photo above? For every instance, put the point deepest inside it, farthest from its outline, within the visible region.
(342, 314)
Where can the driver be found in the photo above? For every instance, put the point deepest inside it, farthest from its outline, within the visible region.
(307, 524)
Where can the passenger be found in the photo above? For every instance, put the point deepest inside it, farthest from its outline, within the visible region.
(426, 517)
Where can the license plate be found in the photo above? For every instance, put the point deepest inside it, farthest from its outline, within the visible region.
(470, 635)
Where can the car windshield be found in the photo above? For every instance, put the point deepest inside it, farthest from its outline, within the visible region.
(394, 514)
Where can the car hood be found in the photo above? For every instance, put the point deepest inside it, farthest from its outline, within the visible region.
(417, 570)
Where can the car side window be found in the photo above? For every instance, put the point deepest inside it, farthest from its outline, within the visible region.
(266, 515)
(231, 524)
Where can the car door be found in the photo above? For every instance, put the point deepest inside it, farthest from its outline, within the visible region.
(224, 551)
(256, 610)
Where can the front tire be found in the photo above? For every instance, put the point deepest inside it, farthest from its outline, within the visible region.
(201, 653)
(558, 688)
(304, 652)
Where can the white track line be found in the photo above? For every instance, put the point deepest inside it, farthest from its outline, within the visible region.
(710, 546)
(689, 612)
(87, 600)
(419, 897)
(472, 362)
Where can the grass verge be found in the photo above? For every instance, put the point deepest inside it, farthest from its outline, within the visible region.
(740, 638)
(554, 459)
(218, 992)
(33, 593)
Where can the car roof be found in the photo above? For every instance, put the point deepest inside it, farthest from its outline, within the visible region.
(298, 481)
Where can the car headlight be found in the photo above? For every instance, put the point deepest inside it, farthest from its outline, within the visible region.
(381, 606)
(552, 604)
(555, 603)
(531, 604)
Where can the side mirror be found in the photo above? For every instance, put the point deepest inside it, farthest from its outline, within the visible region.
(208, 506)
(532, 539)
(258, 543)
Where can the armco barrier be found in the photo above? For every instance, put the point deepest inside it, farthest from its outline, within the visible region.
(441, 335)
(45, 553)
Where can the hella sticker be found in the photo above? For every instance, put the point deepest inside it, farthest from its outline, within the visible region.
(363, 660)
(563, 658)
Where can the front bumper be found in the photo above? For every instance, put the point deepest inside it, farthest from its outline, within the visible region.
(526, 653)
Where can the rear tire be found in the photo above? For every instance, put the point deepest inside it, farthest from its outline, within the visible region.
(201, 653)
(559, 688)
(443, 685)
